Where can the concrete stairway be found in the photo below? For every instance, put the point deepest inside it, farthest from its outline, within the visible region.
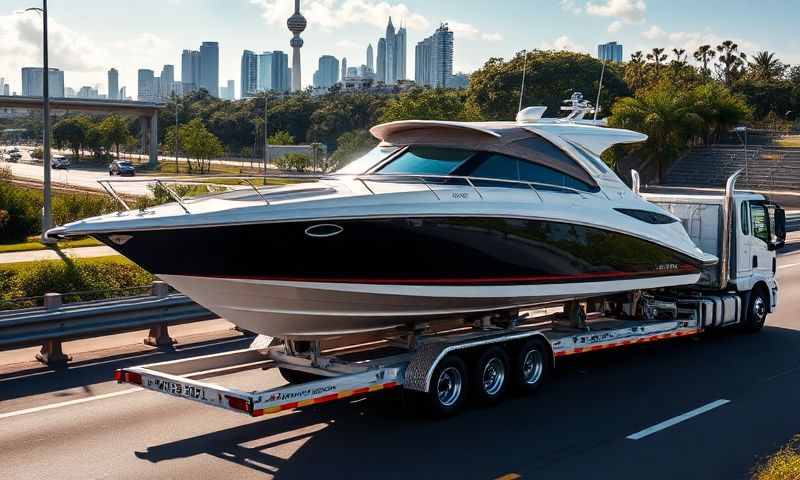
(766, 168)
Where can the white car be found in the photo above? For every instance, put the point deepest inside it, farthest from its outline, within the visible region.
(59, 161)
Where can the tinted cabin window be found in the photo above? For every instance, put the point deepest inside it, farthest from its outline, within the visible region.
(494, 165)
(589, 157)
(427, 161)
(504, 167)
(745, 219)
(758, 215)
(367, 161)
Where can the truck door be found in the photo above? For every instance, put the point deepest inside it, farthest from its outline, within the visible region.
(760, 253)
(743, 238)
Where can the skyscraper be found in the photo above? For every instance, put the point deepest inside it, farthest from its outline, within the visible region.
(190, 70)
(166, 82)
(390, 53)
(113, 84)
(381, 67)
(228, 92)
(434, 58)
(370, 61)
(281, 77)
(400, 54)
(145, 84)
(32, 82)
(344, 68)
(328, 72)
(248, 82)
(611, 51)
(209, 67)
(296, 24)
(264, 83)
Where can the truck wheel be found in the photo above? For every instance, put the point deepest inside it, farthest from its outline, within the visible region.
(448, 387)
(490, 377)
(532, 366)
(756, 311)
(296, 376)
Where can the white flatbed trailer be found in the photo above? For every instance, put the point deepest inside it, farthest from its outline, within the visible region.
(490, 355)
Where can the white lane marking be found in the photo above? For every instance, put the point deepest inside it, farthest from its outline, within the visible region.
(675, 420)
(68, 403)
(781, 267)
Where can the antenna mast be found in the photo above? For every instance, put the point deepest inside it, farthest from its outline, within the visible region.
(599, 87)
(522, 88)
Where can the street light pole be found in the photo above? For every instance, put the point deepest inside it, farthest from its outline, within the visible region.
(266, 135)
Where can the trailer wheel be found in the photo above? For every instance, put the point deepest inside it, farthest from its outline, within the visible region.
(490, 377)
(448, 387)
(756, 311)
(295, 377)
(532, 366)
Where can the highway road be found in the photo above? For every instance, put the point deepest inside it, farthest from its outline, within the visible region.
(76, 423)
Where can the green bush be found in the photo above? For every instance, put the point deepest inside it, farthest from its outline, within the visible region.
(91, 278)
(293, 161)
(37, 153)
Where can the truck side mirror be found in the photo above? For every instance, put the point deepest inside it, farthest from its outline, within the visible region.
(777, 224)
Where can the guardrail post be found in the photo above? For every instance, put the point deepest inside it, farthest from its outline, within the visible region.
(52, 301)
(52, 354)
(160, 289)
(159, 337)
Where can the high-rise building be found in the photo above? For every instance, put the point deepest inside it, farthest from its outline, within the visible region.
(32, 82)
(167, 82)
(113, 84)
(344, 68)
(381, 67)
(281, 73)
(327, 73)
(228, 92)
(434, 59)
(611, 52)
(123, 93)
(248, 81)
(69, 92)
(370, 61)
(390, 53)
(400, 41)
(6, 89)
(190, 70)
(145, 86)
(88, 92)
(264, 77)
(209, 67)
(296, 24)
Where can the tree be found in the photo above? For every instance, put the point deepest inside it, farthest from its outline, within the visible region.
(704, 54)
(115, 129)
(71, 132)
(281, 138)
(200, 144)
(668, 118)
(429, 104)
(794, 75)
(351, 145)
(719, 108)
(635, 71)
(731, 62)
(97, 141)
(765, 66)
(680, 56)
(658, 57)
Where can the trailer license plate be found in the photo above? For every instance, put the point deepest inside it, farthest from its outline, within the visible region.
(178, 389)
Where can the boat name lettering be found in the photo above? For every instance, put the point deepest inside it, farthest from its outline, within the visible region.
(667, 266)
(277, 396)
(596, 338)
(460, 195)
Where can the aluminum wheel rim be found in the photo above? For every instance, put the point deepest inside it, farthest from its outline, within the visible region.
(759, 309)
(448, 386)
(494, 375)
(532, 366)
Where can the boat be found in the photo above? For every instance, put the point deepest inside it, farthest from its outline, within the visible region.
(442, 219)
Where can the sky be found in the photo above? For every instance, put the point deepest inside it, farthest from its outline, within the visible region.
(87, 37)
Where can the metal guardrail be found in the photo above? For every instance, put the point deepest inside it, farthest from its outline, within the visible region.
(54, 323)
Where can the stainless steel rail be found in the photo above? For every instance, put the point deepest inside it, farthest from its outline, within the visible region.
(50, 325)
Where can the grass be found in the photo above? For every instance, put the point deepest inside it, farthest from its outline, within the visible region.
(33, 244)
(782, 465)
(23, 266)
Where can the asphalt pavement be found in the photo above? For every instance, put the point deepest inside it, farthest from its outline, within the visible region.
(736, 394)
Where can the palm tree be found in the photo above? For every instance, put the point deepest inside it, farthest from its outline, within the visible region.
(766, 66)
(666, 116)
(731, 60)
(704, 54)
(680, 56)
(658, 57)
(635, 71)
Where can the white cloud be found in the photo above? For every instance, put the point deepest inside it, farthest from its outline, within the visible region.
(563, 43)
(615, 26)
(492, 37)
(347, 44)
(625, 12)
(571, 6)
(653, 32)
(471, 32)
(335, 14)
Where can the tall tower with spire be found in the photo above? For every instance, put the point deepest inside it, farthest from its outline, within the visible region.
(391, 73)
(370, 62)
(297, 24)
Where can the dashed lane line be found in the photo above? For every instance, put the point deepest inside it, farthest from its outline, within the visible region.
(51, 406)
(676, 420)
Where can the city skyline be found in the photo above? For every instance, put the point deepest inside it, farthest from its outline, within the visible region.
(143, 41)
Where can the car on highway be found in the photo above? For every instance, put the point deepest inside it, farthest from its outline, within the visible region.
(14, 156)
(121, 167)
(60, 161)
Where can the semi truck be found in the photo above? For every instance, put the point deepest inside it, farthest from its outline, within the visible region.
(443, 364)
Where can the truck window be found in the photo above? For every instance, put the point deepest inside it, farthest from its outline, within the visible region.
(745, 219)
(758, 214)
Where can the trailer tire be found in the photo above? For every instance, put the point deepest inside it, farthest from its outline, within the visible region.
(532, 366)
(448, 388)
(295, 377)
(756, 311)
(491, 376)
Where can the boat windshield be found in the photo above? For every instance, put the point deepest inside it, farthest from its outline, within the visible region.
(427, 161)
(364, 163)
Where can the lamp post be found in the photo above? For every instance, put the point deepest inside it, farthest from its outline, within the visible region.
(746, 163)
(47, 210)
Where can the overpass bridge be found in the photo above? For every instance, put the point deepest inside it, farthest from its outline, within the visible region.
(146, 111)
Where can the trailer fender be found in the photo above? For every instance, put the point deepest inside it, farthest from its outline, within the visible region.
(420, 368)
